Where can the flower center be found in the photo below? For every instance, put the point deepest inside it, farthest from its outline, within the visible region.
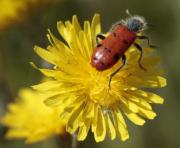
(100, 91)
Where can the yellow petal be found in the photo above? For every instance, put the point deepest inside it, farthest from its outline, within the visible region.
(130, 105)
(52, 39)
(120, 116)
(100, 131)
(110, 128)
(14, 133)
(63, 31)
(149, 114)
(83, 130)
(94, 119)
(73, 124)
(153, 98)
(122, 131)
(60, 47)
(55, 100)
(95, 28)
(75, 23)
(85, 45)
(88, 112)
(88, 41)
(76, 44)
(133, 117)
(147, 81)
(138, 101)
(46, 86)
(46, 55)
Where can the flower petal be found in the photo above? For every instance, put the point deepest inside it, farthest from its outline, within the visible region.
(110, 127)
(46, 55)
(72, 124)
(63, 31)
(46, 86)
(138, 101)
(100, 131)
(149, 114)
(94, 119)
(96, 28)
(130, 105)
(145, 82)
(83, 130)
(151, 97)
(88, 39)
(14, 133)
(75, 23)
(133, 117)
(121, 129)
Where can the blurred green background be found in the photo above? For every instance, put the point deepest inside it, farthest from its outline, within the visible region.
(16, 51)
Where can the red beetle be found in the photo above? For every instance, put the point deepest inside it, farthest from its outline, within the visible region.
(113, 47)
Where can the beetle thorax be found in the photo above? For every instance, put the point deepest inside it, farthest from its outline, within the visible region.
(135, 23)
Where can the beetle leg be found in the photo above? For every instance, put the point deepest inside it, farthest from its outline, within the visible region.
(147, 39)
(140, 58)
(123, 63)
(99, 36)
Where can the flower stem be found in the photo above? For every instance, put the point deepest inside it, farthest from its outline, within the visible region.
(64, 141)
(75, 143)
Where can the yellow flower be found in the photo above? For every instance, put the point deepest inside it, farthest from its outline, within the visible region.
(13, 11)
(29, 118)
(84, 93)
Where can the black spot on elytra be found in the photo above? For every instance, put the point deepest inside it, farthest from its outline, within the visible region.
(125, 42)
(114, 34)
(109, 50)
(99, 45)
(102, 64)
(94, 58)
(116, 57)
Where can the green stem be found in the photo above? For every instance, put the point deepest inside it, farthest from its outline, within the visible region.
(75, 143)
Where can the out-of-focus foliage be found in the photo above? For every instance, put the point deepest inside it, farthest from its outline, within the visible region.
(16, 51)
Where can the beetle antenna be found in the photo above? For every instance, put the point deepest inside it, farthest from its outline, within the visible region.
(128, 13)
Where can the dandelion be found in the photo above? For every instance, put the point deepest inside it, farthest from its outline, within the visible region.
(83, 92)
(14, 11)
(29, 118)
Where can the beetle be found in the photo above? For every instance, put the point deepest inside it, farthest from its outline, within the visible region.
(113, 47)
